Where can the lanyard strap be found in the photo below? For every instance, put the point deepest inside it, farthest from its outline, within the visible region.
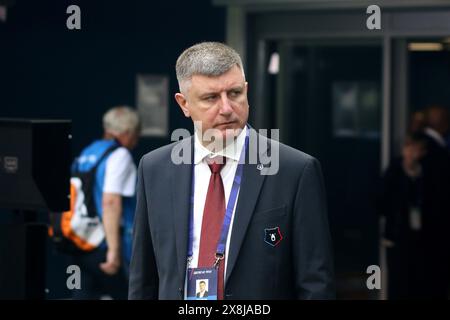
(229, 210)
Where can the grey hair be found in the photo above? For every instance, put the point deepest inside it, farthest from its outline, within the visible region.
(121, 119)
(206, 58)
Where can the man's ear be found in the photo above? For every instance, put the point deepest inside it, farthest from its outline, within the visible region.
(182, 102)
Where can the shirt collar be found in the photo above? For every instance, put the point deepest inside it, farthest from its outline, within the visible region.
(232, 151)
(435, 136)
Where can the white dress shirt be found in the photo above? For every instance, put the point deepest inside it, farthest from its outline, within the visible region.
(436, 136)
(202, 175)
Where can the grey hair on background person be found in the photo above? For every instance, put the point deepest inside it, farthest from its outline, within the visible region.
(206, 58)
(121, 119)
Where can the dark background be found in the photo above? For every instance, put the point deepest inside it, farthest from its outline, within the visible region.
(48, 71)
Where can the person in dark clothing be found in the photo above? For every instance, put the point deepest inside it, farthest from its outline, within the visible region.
(414, 200)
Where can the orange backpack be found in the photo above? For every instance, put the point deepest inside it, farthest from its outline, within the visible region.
(80, 229)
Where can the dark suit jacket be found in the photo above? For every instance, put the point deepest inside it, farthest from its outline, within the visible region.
(300, 266)
(205, 295)
(424, 252)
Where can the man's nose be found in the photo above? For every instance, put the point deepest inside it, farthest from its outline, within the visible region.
(225, 106)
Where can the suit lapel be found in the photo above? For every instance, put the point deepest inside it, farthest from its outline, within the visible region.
(180, 192)
(251, 184)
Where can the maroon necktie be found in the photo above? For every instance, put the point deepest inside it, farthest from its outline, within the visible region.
(213, 216)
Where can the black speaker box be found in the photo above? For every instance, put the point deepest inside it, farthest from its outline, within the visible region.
(35, 158)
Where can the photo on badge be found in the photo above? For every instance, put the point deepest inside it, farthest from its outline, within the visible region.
(202, 289)
(202, 284)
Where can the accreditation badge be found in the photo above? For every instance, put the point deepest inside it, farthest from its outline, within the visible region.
(202, 284)
(415, 218)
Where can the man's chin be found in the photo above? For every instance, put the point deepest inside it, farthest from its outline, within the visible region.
(230, 133)
(233, 128)
(219, 136)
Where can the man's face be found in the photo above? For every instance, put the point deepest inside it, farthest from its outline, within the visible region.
(217, 102)
(412, 151)
(202, 286)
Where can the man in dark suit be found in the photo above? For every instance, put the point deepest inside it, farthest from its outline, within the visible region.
(203, 293)
(262, 226)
